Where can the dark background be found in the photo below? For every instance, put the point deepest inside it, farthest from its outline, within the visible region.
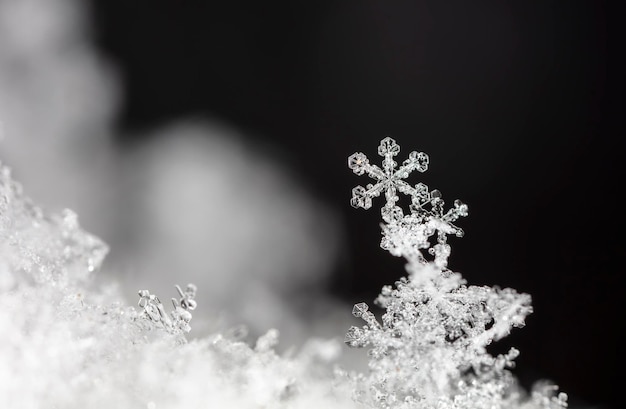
(518, 103)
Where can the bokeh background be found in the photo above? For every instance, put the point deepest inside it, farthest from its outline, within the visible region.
(207, 142)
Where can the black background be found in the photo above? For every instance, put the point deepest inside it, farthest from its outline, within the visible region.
(518, 103)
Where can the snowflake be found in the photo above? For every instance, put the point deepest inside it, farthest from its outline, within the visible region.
(407, 235)
(389, 180)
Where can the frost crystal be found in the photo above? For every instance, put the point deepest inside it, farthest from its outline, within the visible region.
(178, 320)
(430, 349)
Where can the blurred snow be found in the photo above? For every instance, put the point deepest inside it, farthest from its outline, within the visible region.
(205, 207)
(196, 202)
(57, 101)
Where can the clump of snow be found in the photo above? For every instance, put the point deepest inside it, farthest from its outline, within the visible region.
(66, 343)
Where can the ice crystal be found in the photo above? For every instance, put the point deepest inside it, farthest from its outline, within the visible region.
(430, 348)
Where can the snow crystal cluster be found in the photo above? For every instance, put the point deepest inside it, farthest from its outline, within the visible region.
(65, 343)
(429, 351)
